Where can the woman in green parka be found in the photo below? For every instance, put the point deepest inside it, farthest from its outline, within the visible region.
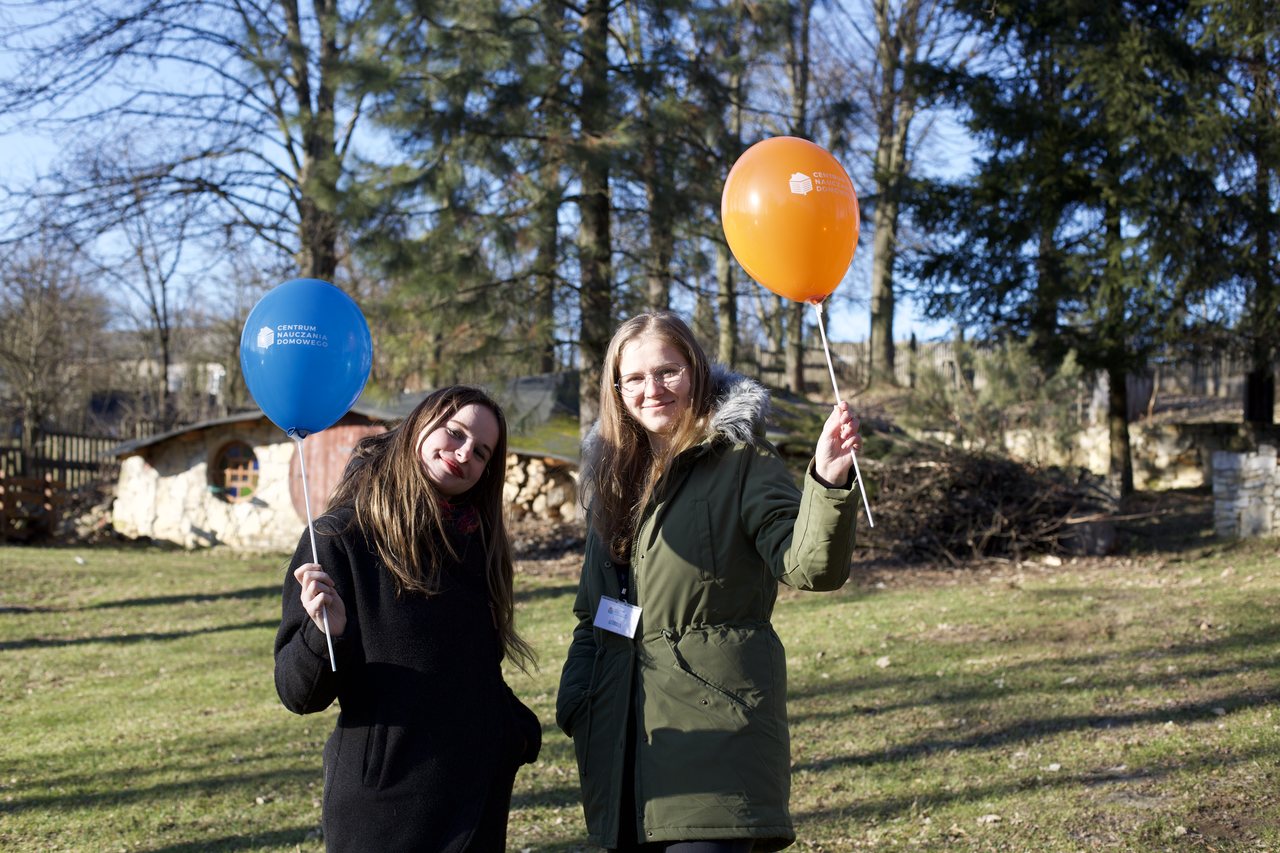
(674, 689)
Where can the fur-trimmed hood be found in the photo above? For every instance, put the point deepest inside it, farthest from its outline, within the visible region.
(740, 406)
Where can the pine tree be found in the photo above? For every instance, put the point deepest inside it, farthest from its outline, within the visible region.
(1073, 233)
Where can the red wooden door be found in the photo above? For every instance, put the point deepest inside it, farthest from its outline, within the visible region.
(326, 454)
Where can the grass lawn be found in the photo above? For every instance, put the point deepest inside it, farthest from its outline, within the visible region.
(1126, 703)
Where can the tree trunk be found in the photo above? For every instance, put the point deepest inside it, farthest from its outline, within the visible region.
(1121, 467)
(318, 175)
(1260, 396)
(168, 409)
(773, 324)
(884, 214)
(795, 347)
(897, 44)
(661, 247)
(799, 60)
(595, 301)
(880, 349)
(726, 308)
(659, 196)
(1112, 328)
(545, 273)
(731, 146)
(1260, 385)
(704, 318)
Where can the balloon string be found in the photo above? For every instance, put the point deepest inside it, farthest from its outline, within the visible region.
(817, 308)
(306, 500)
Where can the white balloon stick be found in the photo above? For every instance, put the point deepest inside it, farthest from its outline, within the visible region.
(817, 307)
(306, 499)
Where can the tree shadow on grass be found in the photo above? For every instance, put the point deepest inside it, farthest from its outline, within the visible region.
(1172, 521)
(126, 639)
(1012, 783)
(119, 788)
(291, 838)
(250, 594)
(545, 592)
(1031, 730)
(1225, 657)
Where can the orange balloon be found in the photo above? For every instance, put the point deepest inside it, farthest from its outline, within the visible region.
(791, 217)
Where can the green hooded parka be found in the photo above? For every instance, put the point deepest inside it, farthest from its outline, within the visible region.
(705, 675)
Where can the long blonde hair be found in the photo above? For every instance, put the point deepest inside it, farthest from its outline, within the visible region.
(399, 508)
(626, 470)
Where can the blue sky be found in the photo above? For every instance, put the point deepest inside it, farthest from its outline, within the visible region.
(24, 155)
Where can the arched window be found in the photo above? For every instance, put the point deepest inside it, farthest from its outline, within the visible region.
(233, 474)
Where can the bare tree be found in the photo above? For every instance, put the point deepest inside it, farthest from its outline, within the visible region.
(147, 271)
(51, 324)
(901, 35)
(250, 104)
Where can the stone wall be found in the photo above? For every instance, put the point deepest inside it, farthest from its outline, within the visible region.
(1246, 493)
(1165, 456)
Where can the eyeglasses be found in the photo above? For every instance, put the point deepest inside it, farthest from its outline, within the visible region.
(667, 376)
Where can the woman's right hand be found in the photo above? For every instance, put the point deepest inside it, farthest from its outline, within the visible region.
(319, 594)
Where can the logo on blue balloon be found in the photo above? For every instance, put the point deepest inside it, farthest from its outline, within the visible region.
(305, 353)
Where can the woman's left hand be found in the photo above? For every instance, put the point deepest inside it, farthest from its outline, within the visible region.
(831, 459)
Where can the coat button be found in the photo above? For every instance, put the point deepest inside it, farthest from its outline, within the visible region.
(705, 701)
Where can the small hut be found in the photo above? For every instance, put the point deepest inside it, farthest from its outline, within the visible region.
(233, 481)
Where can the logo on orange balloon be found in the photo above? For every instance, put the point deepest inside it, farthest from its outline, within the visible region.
(791, 217)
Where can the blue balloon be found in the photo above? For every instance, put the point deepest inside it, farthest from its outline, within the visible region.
(305, 353)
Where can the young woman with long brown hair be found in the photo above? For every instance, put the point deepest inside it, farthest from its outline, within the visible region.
(674, 689)
(414, 569)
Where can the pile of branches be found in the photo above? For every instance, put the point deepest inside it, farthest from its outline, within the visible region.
(943, 504)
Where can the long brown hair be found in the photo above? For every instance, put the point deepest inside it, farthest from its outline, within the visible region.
(399, 507)
(625, 470)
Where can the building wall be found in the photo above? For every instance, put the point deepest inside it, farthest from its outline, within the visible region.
(1165, 456)
(1246, 493)
(165, 495)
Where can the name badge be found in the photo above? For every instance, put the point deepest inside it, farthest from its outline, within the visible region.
(617, 616)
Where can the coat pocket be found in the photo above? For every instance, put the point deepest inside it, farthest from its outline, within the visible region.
(577, 713)
(333, 756)
(375, 752)
(571, 705)
(708, 571)
(706, 686)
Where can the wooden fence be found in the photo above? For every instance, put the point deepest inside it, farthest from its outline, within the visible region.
(67, 459)
(35, 487)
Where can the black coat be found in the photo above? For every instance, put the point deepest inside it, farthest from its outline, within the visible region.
(428, 728)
